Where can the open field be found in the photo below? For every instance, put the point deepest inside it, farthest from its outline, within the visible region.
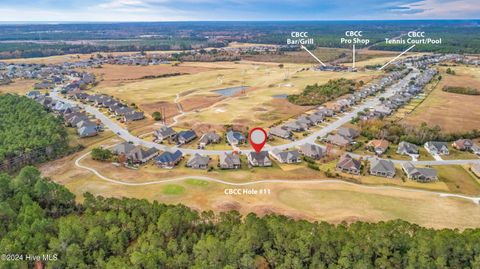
(256, 105)
(452, 112)
(116, 75)
(19, 86)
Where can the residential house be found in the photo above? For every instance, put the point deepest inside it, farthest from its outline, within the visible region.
(313, 151)
(133, 116)
(33, 94)
(406, 148)
(338, 140)
(140, 155)
(295, 126)
(122, 148)
(164, 132)
(198, 161)
(123, 110)
(184, 137)
(348, 164)
(290, 156)
(168, 159)
(382, 168)
(229, 161)
(379, 146)
(419, 174)
(235, 138)
(87, 131)
(348, 132)
(437, 148)
(208, 138)
(463, 144)
(280, 132)
(306, 120)
(259, 159)
(326, 112)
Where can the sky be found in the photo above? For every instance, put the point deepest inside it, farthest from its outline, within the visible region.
(235, 10)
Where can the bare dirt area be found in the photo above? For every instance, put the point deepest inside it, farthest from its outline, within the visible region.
(116, 75)
(281, 109)
(451, 111)
(168, 108)
(197, 102)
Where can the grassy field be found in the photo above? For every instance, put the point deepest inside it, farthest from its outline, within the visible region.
(452, 112)
(458, 179)
(19, 86)
(256, 106)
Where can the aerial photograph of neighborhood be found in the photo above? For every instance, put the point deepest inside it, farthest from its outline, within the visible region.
(240, 134)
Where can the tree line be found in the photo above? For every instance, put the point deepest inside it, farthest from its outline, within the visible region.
(39, 216)
(25, 127)
(318, 94)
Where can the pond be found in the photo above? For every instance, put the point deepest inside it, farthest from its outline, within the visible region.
(230, 91)
(280, 96)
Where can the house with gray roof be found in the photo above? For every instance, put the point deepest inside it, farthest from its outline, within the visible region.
(235, 138)
(295, 126)
(475, 149)
(169, 159)
(338, 140)
(348, 164)
(208, 138)
(122, 148)
(33, 94)
(164, 132)
(133, 116)
(280, 132)
(289, 156)
(382, 168)
(229, 161)
(419, 174)
(313, 151)
(141, 155)
(198, 161)
(406, 148)
(87, 131)
(437, 148)
(259, 159)
(348, 132)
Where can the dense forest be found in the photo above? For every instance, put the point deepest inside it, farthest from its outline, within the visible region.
(25, 126)
(318, 94)
(396, 132)
(38, 217)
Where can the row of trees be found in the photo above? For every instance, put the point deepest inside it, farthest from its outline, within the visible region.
(25, 126)
(396, 132)
(41, 217)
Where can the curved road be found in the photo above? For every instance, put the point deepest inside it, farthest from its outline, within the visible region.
(345, 118)
(309, 181)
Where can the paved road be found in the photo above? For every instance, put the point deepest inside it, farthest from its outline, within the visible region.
(373, 102)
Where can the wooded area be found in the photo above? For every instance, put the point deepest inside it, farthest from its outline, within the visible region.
(38, 216)
(28, 133)
(318, 94)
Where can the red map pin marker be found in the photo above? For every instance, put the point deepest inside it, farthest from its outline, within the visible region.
(257, 138)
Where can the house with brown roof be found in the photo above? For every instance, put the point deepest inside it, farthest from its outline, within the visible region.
(348, 164)
(379, 146)
(463, 144)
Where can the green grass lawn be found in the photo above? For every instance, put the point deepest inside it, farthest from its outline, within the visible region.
(458, 154)
(196, 182)
(458, 179)
(173, 189)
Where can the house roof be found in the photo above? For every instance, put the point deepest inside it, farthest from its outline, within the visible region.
(233, 136)
(286, 156)
(198, 160)
(347, 132)
(209, 137)
(378, 143)
(348, 162)
(169, 157)
(230, 159)
(436, 144)
(311, 149)
(87, 130)
(189, 134)
(411, 170)
(380, 165)
(407, 147)
(165, 131)
(124, 148)
(260, 157)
